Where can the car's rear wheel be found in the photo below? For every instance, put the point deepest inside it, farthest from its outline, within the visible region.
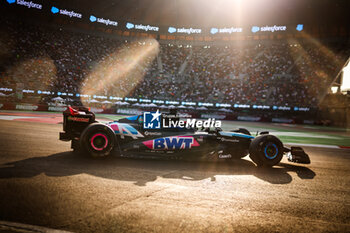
(266, 150)
(97, 140)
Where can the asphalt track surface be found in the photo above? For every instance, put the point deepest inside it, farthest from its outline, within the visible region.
(43, 183)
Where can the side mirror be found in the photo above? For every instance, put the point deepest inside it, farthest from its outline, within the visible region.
(264, 132)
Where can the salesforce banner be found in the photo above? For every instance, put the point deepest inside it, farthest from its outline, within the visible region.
(28, 4)
(55, 10)
(214, 30)
(266, 28)
(225, 30)
(183, 30)
(103, 21)
(142, 27)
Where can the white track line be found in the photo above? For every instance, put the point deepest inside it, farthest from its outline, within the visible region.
(301, 134)
(10, 118)
(315, 145)
(20, 227)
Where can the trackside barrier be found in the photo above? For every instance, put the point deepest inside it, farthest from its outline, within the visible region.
(137, 111)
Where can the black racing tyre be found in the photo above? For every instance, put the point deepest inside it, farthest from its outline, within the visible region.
(266, 150)
(97, 140)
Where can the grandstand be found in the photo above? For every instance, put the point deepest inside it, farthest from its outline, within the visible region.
(289, 73)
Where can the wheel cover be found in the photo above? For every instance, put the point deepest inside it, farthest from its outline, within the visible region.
(271, 150)
(99, 141)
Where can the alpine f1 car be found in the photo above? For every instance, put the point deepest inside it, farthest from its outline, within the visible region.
(128, 137)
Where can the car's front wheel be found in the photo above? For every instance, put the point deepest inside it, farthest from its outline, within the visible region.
(266, 150)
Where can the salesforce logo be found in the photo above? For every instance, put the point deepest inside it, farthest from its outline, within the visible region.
(171, 30)
(130, 25)
(273, 28)
(226, 30)
(103, 21)
(214, 31)
(92, 18)
(25, 3)
(54, 10)
(185, 30)
(255, 29)
(300, 27)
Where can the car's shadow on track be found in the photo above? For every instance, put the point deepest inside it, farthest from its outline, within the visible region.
(142, 171)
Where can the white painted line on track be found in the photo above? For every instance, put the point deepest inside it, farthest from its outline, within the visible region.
(20, 227)
(10, 118)
(304, 135)
(314, 145)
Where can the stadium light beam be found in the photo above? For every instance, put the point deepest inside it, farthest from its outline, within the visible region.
(118, 73)
(321, 75)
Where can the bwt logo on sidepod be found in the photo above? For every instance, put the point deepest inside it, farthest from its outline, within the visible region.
(255, 29)
(54, 10)
(130, 25)
(151, 120)
(171, 143)
(171, 30)
(92, 18)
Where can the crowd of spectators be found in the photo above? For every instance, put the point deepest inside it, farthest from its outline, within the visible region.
(282, 72)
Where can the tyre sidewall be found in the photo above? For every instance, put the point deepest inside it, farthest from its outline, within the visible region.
(88, 134)
(257, 150)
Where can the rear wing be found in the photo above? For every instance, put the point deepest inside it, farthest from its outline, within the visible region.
(75, 120)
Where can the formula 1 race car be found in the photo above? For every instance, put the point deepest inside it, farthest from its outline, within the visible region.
(129, 137)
